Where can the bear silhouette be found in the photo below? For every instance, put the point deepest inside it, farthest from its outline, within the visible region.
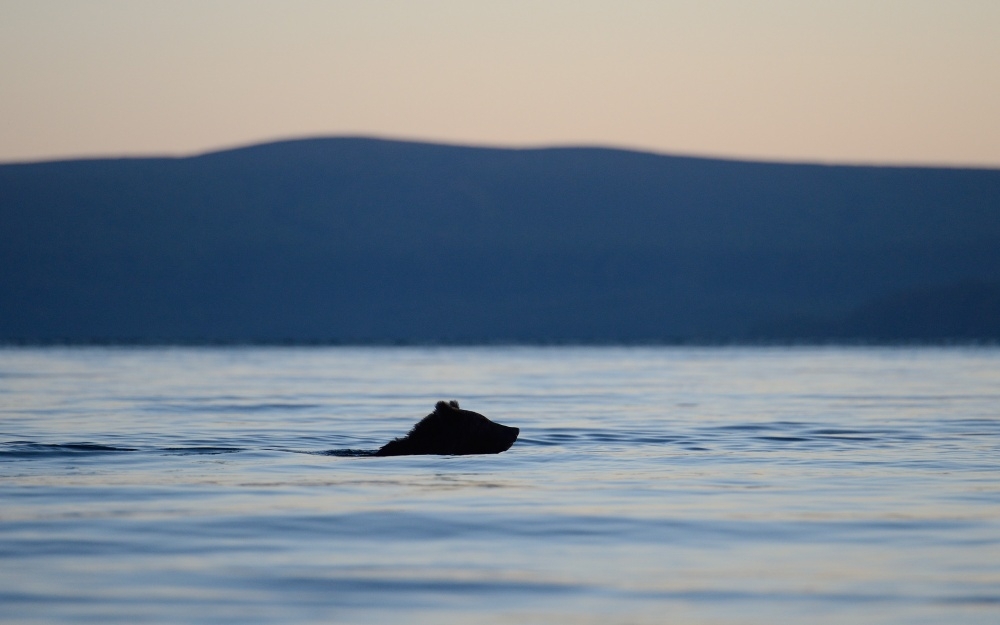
(449, 430)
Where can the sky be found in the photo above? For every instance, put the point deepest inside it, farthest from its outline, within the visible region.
(840, 81)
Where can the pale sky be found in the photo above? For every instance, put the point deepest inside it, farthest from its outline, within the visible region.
(853, 81)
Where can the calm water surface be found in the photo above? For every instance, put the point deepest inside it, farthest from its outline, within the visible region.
(649, 485)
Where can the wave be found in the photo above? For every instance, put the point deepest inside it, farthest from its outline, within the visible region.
(764, 436)
(29, 449)
(348, 453)
(33, 450)
(197, 451)
(13, 450)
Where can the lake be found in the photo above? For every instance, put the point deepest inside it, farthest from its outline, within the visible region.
(649, 485)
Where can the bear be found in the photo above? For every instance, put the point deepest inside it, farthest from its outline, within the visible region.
(449, 430)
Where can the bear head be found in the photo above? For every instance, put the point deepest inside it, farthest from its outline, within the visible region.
(449, 430)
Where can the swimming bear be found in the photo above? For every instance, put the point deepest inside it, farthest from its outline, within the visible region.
(449, 430)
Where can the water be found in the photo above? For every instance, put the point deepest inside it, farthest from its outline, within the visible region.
(649, 485)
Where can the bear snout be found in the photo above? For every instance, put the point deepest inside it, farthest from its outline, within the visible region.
(513, 433)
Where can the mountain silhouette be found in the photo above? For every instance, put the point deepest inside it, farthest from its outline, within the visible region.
(358, 240)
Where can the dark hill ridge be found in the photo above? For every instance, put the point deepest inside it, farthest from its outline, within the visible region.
(364, 240)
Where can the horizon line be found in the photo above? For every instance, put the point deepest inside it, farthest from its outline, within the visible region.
(526, 147)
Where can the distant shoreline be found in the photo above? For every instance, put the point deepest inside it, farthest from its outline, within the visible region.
(370, 241)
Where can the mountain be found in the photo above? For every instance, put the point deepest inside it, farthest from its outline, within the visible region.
(366, 240)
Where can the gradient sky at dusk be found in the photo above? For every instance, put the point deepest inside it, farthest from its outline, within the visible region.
(859, 81)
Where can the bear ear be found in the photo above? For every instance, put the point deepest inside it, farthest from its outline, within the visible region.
(453, 403)
(442, 406)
